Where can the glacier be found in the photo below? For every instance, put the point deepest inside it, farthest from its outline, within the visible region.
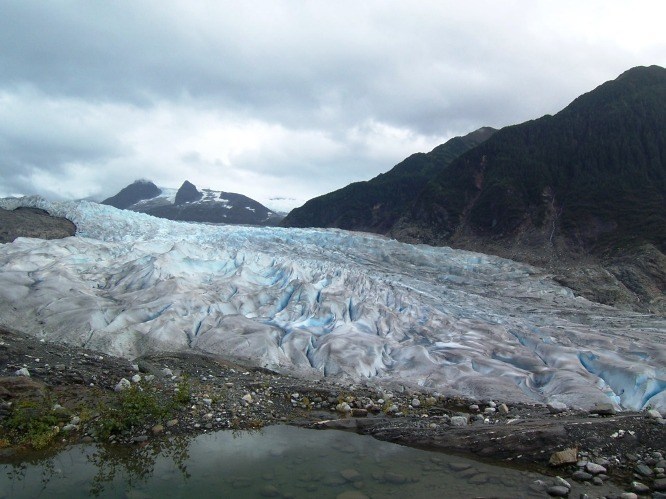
(326, 302)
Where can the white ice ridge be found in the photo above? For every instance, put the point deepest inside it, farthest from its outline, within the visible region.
(328, 302)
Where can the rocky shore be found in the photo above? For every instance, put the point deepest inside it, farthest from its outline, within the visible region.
(52, 395)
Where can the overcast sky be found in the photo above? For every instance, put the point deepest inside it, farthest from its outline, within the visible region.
(285, 99)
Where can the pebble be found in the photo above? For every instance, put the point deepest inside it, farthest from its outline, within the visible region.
(247, 398)
(640, 487)
(351, 475)
(561, 481)
(343, 407)
(351, 494)
(394, 478)
(557, 491)
(136, 378)
(597, 481)
(416, 402)
(643, 469)
(22, 372)
(167, 372)
(557, 407)
(157, 429)
(504, 409)
(123, 384)
(270, 491)
(594, 468)
(581, 476)
(171, 422)
(459, 421)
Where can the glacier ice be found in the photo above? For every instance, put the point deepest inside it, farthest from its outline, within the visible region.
(327, 302)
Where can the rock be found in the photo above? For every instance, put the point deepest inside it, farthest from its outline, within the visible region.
(479, 479)
(503, 409)
(157, 429)
(640, 488)
(359, 413)
(628, 495)
(21, 386)
(581, 476)
(351, 475)
(269, 491)
(140, 438)
(171, 423)
(123, 384)
(603, 409)
(351, 494)
(557, 407)
(69, 427)
(456, 466)
(416, 402)
(75, 420)
(394, 478)
(247, 398)
(136, 378)
(594, 468)
(167, 372)
(474, 407)
(489, 410)
(557, 491)
(343, 407)
(459, 421)
(207, 402)
(561, 481)
(654, 414)
(659, 484)
(643, 470)
(22, 372)
(597, 481)
(566, 456)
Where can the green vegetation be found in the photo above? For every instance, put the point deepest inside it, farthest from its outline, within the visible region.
(139, 405)
(32, 423)
(135, 406)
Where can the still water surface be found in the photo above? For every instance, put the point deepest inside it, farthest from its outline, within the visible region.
(278, 461)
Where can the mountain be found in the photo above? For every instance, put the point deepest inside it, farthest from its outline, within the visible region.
(581, 193)
(192, 205)
(591, 178)
(376, 205)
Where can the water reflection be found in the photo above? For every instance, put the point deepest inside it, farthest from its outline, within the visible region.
(280, 461)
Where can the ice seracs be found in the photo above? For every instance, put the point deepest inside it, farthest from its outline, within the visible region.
(328, 302)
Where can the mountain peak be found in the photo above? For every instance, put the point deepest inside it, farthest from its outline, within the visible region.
(187, 193)
(133, 193)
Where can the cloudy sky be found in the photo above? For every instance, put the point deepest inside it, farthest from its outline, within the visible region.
(285, 99)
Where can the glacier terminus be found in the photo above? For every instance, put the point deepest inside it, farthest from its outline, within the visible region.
(326, 302)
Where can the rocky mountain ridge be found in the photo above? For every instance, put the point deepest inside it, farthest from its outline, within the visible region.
(190, 204)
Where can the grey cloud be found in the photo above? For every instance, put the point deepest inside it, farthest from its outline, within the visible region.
(430, 68)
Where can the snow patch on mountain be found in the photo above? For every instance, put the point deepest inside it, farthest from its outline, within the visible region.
(329, 302)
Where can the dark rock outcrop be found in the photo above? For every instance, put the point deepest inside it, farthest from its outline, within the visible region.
(187, 194)
(133, 193)
(33, 222)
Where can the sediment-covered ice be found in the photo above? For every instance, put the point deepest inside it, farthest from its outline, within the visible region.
(328, 302)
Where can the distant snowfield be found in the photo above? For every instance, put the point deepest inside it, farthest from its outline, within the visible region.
(328, 302)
